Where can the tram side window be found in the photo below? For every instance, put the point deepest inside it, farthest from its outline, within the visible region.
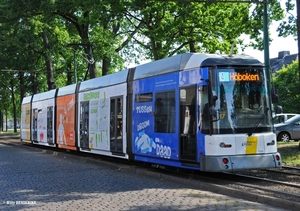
(165, 112)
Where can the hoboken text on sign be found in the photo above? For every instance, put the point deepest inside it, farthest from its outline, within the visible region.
(230, 76)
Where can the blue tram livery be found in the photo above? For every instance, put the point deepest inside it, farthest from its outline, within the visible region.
(203, 112)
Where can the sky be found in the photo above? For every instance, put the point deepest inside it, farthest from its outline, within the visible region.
(278, 44)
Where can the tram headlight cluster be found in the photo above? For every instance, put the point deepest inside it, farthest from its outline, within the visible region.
(277, 157)
(225, 161)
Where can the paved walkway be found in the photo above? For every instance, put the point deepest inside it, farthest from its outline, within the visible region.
(33, 180)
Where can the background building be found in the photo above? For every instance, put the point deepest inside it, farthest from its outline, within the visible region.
(284, 58)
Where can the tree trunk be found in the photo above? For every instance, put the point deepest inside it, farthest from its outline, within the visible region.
(6, 114)
(14, 104)
(1, 121)
(91, 62)
(50, 75)
(70, 74)
(192, 46)
(105, 65)
(298, 35)
(93, 70)
(35, 86)
(22, 89)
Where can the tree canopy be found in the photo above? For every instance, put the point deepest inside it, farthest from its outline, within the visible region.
(287, 83)
(55, 43)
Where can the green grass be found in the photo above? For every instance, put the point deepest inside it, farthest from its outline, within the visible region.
(290, 153)
(10, 132)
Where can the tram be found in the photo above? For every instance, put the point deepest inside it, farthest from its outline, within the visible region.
(204, 112)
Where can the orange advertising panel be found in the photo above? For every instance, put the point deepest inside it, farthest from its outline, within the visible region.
(65, 122)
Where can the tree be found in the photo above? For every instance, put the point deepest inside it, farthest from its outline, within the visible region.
(100, 25)
(174, 26)
(287, 83)
(9, 99)
(24, 31)
(291, 26)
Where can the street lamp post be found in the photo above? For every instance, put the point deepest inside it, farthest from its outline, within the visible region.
(266, 46)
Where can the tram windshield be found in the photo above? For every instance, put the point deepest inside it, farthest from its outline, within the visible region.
(236, 100)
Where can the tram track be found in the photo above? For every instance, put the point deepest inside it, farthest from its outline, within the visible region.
(290, 170)
(290, 184)
(266, 184)
(283, 184)
(287, 176)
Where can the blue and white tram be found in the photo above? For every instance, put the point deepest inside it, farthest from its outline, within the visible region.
(207, 112)
(204, 112)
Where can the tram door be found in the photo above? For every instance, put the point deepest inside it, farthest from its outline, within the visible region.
(50, 139)
(34, 124)
(116, 125)
(84, 125)
(188, 125)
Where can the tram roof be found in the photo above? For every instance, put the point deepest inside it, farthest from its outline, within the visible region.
(66, 90)
(27, 99)
(44, 95)
(187, 61)
(104, 81)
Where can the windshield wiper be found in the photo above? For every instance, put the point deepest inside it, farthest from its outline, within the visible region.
(258, 121)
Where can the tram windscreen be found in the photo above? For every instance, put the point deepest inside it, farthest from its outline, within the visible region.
(242, 101)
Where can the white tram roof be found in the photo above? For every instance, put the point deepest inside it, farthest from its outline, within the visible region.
(104, 81)
(191, 60)
(66, 90)
(26, 99)
(44, 95)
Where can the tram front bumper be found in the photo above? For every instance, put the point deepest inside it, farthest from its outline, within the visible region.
(240, 162)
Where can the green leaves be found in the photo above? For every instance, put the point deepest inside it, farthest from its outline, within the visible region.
(286, 81)
(35, 34)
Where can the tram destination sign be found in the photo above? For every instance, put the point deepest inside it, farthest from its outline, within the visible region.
(230, 76)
